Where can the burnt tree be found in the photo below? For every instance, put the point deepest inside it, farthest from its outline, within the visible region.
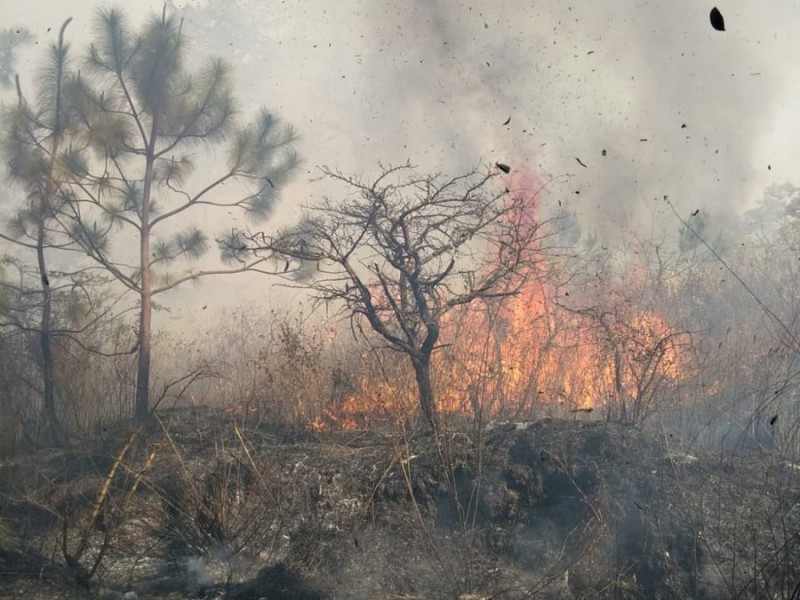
(405, 249)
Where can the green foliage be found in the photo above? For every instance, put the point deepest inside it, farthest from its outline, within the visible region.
(148, 84)
(233, 247)
(155, 69)
(74, 161)
(110, 135)
(107, 154)
(203, 108)
(113, 44)
(254, 148)
(30, 137)
(174, 170)
(76, 309)
(53, 107)
(91, 236)
(191, 244)
(139, 100)
(25, 163)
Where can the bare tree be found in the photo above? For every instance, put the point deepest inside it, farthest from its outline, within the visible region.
(405, 249)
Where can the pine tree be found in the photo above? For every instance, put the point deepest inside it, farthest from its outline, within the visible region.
(143, 117)
(31, 143)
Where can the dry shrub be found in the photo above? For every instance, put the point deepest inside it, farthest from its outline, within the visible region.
(93, 385)
(223, 512)
(19, 403)
(95, 391)
(278, 368)
(230, 508)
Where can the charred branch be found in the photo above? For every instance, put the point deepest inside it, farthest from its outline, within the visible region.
(409, 248)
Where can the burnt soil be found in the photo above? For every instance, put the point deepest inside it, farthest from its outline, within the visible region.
(206, 505)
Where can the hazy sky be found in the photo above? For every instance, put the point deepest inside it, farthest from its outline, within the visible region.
(679, 108)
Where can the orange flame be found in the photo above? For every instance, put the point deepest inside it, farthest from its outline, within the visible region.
(506, 359)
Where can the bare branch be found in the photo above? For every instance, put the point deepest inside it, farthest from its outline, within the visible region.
(410, 248)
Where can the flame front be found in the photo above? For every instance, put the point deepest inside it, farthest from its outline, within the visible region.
(518, 356)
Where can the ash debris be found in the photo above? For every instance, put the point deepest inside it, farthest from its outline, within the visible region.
(547, 509)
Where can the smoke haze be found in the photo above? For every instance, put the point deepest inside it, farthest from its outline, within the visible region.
(679, 108)
(647, 95)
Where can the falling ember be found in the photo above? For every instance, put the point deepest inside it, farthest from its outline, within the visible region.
(526, 354)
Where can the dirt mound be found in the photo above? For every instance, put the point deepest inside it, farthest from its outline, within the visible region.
(204, 506)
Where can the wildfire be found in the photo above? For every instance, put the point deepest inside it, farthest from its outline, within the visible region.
(509, 358)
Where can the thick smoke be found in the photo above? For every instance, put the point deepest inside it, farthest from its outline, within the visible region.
(608, 86)
(647, 95)
(434, 82)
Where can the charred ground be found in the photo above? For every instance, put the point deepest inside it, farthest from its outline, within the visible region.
(206, 505)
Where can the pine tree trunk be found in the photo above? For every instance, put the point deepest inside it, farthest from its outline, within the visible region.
(53, 435)
(142, 411)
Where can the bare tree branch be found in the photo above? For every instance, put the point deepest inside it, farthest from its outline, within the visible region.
(405, 249)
